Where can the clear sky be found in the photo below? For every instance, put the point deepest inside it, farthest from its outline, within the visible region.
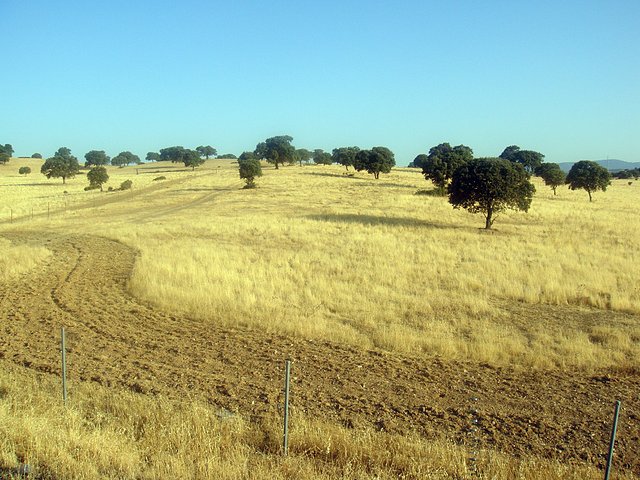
(559, 77)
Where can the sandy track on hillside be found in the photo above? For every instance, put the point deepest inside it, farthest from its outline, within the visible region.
(114, 339)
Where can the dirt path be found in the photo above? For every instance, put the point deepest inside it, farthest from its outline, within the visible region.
(117, 340)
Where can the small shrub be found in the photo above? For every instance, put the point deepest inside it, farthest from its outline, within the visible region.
(162, 177)
(110, 189)
(126, 185)
(27, 170)
(91, 187)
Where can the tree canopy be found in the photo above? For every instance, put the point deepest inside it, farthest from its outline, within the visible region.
(276, 150)
(249, 169)
(152, 157)
(230, 156)
(375, 161)
(588, 175)
(206, 151)
(552, 175)
(36, 155)
(247, 156)
(320, 157)
(303, 155)
(61, 165)
(529, 159)
(97, 177)
(442, 162)
(489, 186)
(125, 158)
(24, 170)
(174, 154)
(96, 158)
(6, 151)
(345, 156)
(192, 159)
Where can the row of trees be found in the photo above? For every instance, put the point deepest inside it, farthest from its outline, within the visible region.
(279, 150)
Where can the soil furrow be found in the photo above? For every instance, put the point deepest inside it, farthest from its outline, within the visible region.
(114, 339)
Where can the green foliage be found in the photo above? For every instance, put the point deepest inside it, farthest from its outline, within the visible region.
(227, 156)
(24, 170)
(4, 158)
(152, 157)
(7, 149)
(91, 187)
(206, 151)
(276, 150)
(303, 155)
(249, 169)
(345, 156)
(489, 186)
(97, 177)
(36, 155)
(61, 165)
(442, 162)
(418, 161)
(247, 156)
(96, 158)
(126, 185)
(552, 175)
(125, 158)
(192, 159)
(529, 159)
(174, 154)
(377, 160)
(320, 157)
(589, 176)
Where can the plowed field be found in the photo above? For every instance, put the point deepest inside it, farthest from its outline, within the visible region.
(118, 341)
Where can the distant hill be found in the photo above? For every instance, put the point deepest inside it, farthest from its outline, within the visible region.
(611, 164)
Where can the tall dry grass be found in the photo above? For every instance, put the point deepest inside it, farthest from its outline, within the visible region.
(121, 435)
(315, 253)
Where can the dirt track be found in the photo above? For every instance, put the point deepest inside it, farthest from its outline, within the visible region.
(115, 339)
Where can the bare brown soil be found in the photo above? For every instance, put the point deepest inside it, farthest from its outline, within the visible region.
(116, 340)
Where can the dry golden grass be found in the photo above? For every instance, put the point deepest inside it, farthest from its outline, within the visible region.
(107, 434)
(318, 254)
(314, 253)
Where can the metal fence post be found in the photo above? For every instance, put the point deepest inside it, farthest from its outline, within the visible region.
(64, 366)
(613, 440)
(287, 376)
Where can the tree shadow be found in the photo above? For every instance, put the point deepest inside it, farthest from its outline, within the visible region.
(349, 175)
(373, 220)
(43, 184)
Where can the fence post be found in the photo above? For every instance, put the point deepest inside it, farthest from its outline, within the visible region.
(64, 366)
(613, 440)
(287, 376)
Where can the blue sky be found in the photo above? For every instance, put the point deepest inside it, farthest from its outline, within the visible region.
(562, 78)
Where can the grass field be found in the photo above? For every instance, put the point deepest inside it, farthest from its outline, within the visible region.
(317, 254)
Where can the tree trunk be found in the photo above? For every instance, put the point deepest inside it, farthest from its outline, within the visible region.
(554, 191)
(277, 165)
(376, 175)
(489, 221)
(589, 192)
(65, 178)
